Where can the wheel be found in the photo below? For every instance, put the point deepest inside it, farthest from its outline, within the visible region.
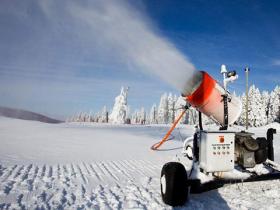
(174, 184)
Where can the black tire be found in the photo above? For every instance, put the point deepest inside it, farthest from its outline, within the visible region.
(174, 184)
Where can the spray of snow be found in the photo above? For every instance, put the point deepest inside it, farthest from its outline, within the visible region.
(120, 31)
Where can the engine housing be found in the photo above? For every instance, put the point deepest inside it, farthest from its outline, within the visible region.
(249, 151)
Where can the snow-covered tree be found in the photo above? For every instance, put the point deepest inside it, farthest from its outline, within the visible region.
(88, 117)
(163, 109)
(171, 107)
(192, 115)
(119, 112)
(135, 117)
(242, 118)
(267, 106)
(263, 108)
(81, 117)
(256, 108)
(153, 115)
(178, 107)
(128, 115)
(260, 115)
(104, 115)
(275, 104)
(142, 116)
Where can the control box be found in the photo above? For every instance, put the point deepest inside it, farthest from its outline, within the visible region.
(216, 151)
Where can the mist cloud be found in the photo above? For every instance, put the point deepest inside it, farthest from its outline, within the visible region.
(51, 37)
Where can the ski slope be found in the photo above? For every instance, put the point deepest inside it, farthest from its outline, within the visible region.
(101, 166)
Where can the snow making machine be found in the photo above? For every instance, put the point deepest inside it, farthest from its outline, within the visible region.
(211, 159)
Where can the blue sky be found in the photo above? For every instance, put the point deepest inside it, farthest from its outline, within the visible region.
(60, 57)
(238, 33)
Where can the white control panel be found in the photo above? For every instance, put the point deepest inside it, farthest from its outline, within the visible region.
(216, 151)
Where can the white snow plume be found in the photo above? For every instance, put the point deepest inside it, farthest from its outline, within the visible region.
(120, 31)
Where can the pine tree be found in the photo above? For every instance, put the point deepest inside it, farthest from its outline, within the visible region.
(275, 104)
(163, 110)
(263, 108)
(136, 117)
(171, 108)
(192, 116)
(128, 115)
(104, 115)
(179, 106)
(119, 112)
(256, 108)
(242, 118)
(142, 116)
(153, 115)
(267, 105)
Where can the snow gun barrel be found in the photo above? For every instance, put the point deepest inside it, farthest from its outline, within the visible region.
(207, 97)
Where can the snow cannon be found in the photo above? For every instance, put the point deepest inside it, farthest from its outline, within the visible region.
(209, 98)
(214, 157)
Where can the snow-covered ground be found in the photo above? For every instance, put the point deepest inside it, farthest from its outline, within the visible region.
(101, 166)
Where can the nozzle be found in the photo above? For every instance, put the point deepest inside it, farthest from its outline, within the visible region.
(207, 98)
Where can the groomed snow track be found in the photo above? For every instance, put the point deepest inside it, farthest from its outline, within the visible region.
(97, 185)
(73, 166)
(126, 184)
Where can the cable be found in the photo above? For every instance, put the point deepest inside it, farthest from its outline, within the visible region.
(165, 138)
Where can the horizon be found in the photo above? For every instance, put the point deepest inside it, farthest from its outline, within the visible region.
(53, 63)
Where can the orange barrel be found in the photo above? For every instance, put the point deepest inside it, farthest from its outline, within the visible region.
(207, 98)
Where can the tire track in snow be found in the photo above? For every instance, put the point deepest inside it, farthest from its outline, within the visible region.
(54, 175)
(8, 186)
(67, 186)
(121, 170)
(32, 180)
(94, 172)
(135, 165)
(134, 171)
(66, 180)
(101, 198)
(93, 177)
(65, 170)
(56, 171)
(8, 172)
(85, 180)
(109, 172)
(125, 168)
(27, 179)
(43, 171)
(2, 169)
(150, 165)
(87, 170)
(118, 195)
(73, 172)
(100, 172)
(18, 172)
(19, 201)
(26, 172)
(38, 177)
(50, 172)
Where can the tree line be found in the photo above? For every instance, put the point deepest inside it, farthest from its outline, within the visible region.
(263, 108)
